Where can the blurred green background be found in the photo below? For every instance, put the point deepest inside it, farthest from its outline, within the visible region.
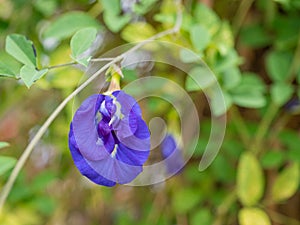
(253, 47)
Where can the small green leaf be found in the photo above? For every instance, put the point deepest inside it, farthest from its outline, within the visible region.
(286, 184)
(250, 180)
(281, 93)
(6, 163)
(231, 78)
(253, 216)
(203, 215)
(143, 6)
(82, 41)
(255, 36)
(278, 65)
(200, 37)
(272, 159)
(249, 100)
(5, 71)
(220, 100)
(188, 56)
(199, 78)
(115, 22)
(111, 6)
(137, 32)
(67, 24)
(3, 144)
(185, 199)
(22, 49)
(29, 74)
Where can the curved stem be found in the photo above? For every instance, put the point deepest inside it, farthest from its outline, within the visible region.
(12, 178)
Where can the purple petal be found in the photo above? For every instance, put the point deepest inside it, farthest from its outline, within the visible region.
(139, 141)
(130, 156)
(85, 130)
(172, 155)
(115, 170)
(82, 165)
(128, 103)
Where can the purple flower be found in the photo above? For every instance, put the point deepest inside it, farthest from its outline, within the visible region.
(172, 155)
(108, 139)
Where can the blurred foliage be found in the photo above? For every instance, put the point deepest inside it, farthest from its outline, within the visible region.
(254, 179)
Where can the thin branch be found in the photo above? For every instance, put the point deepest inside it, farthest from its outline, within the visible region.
(240, 15)
(11, 180)
(240, 125)
(62, 65)
(102, 59)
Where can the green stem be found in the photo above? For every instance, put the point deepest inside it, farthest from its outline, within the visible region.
(240, 125)
(264, 127)
(240, 15)
(282, 219)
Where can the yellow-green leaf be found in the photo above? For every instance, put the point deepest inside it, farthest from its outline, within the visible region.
(253, 216)
(250, 180)
(286, 184)
(137, 32)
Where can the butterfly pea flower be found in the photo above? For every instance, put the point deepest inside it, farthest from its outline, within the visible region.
(172, 155)
(108, 139)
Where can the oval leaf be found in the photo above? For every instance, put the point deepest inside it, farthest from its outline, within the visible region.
(29, 74)
(6, 163)
(253, 216)
(5, 71)
(22, 49)
(286, 183)
(184, 200)
(199, 78)
(250, 180)
(82, 41)
(137, 32)
(200, 37)
(67, 24)
(281, 93)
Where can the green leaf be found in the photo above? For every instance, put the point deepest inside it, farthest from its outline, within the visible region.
(278, 65)
(67, 24)
(220, 100)
(20, 48)
(272, 159)
(3, 144)
(111, 6)
(5, 71)
(82, 41)
(203, 215)
(137, 32)
(249, 92)
(249, 100)
(6, 163)
(199, 78)
(185, 199)
(231, 77)
(281, 93)
(200, 37)
(29, 74)
(46, 7)
(188, 56)
(223, 38)
(286, 184)
(143, 6)
(255, 36)
(250, 82)
(115, 22)
(250, 180)
(253, 216)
